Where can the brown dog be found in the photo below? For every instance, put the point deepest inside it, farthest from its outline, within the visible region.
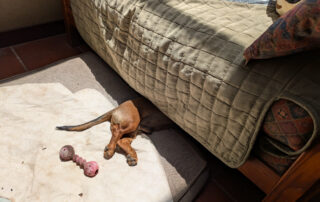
(126, 121)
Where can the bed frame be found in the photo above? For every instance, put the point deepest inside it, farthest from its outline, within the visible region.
(73, 36)
(301, 182)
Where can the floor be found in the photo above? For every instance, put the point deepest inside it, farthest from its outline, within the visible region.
(28, 56)
(227, 185)
(224, 185)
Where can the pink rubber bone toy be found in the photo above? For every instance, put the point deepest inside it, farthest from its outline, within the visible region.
(90, 168)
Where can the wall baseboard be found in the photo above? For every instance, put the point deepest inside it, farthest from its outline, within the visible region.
(31, 33)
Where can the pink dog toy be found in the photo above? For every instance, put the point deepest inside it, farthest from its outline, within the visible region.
(90, 168)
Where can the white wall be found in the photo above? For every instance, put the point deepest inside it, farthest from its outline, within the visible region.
(15, 14)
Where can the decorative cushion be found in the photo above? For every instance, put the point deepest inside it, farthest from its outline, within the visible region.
(288, 123)
(271, 156)
(289, 126)
(297, 30)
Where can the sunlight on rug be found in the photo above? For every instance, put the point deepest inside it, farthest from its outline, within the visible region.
(29, 150)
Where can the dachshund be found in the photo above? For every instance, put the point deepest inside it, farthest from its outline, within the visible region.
(126, 121)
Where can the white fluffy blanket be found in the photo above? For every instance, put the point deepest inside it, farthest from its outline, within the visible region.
(29, 150)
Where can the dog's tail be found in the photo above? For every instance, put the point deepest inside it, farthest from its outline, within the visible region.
(103, 118)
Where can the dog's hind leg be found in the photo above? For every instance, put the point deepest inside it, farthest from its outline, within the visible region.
(109, 150)
(117, 133)
(125, 145)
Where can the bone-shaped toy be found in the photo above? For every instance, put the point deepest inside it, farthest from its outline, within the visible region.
(90, 168)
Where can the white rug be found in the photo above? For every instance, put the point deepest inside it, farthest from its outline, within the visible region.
(29, 150)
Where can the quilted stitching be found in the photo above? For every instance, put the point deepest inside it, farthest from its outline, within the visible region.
(186, 57)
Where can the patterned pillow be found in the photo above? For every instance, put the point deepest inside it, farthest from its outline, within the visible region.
(288, 123)
(297, 30)
(271, 156)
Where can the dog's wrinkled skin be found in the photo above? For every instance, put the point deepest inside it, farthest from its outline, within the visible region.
(126, 121)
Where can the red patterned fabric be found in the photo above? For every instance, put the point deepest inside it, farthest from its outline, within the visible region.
(297, 30)
(288, 123)
(274, 158)
(278, 164)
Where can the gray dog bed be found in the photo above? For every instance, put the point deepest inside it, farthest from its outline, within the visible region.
(185, 167)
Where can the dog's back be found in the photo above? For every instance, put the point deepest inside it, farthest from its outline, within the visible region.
(152, 119)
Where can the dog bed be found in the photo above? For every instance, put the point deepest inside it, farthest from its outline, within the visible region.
(29, 147)
(184, 166)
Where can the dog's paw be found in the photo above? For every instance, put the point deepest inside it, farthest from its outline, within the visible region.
(107, 153)
(131, 161)
(106, 148)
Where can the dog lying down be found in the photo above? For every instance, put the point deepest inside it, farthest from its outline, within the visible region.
(126, 121)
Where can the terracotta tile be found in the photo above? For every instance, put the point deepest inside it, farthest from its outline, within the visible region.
(233, 183)
(216, 166)
(212, 192)
(238, 186)
(9, 64)
(39, 53)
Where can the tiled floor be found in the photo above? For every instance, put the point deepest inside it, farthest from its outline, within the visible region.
(31, 55)
(9, 63)
(225, 184)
